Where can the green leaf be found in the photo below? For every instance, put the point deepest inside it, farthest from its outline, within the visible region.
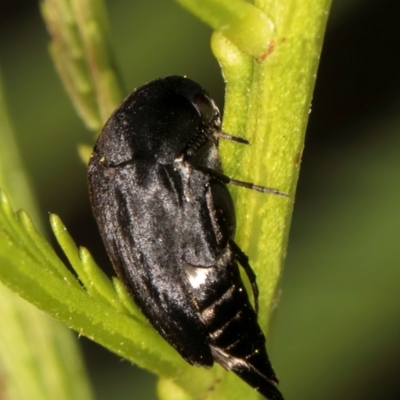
(239, 21)
(81, 54)
(30, 267)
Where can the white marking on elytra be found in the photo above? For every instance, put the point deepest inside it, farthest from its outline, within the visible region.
(196, 276)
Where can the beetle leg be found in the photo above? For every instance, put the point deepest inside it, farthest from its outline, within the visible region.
(244, 262)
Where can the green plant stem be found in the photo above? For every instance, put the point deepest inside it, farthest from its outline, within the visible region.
(268, 102)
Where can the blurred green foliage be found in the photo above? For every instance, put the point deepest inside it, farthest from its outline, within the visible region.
(335, 333)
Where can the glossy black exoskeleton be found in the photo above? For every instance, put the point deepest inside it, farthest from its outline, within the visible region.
(167, 220)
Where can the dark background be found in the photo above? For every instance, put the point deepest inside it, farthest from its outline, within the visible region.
(336, 331)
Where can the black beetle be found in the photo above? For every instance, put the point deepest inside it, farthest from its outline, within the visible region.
(167, 219)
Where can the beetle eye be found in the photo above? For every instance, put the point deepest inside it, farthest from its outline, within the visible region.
(206, 108)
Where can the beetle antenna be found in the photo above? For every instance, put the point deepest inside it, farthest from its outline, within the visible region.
(226, 136)
(262, 189)
(247, 185)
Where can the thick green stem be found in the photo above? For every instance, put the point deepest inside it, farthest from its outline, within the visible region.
(268, 102)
